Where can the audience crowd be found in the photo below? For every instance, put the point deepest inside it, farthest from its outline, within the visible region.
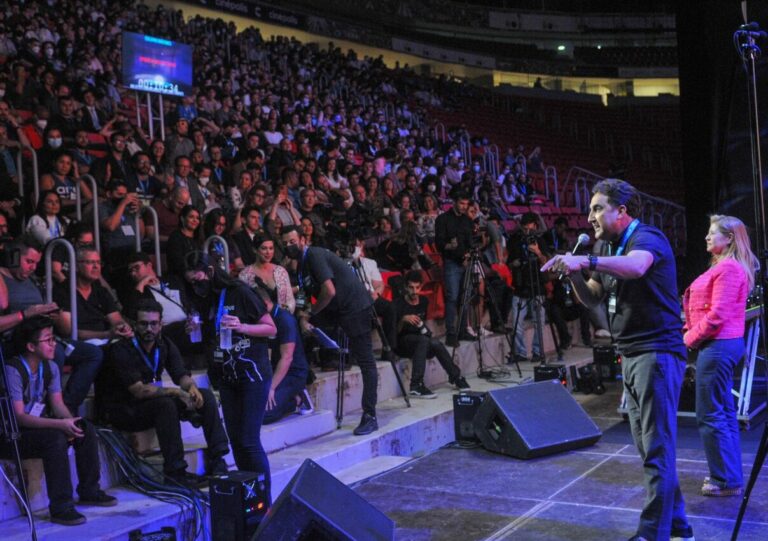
(277, 136)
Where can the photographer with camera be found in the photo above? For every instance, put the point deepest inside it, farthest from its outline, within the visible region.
(525, 257)
(453, 238)
(130, 395)
(414, 339)
(119, 218)
(48, 427)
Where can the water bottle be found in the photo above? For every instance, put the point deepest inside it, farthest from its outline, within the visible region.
(225, 336)
(196, 334)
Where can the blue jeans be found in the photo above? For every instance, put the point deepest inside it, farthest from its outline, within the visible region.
(285, 396)
(453, 275)
(86, 360)
(652, 383)
(520, 308)
(715, 411)
(243, 404)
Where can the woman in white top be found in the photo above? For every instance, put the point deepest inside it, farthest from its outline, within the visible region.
(47, 224)
(273, 278)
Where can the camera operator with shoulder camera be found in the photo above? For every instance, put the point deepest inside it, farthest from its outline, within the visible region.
(526, 256)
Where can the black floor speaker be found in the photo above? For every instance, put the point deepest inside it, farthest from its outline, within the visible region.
(465, 407)
(533, 420)
(315, 506)
(239, 501)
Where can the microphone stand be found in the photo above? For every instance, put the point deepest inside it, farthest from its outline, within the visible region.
(744, 40)
(11, 434)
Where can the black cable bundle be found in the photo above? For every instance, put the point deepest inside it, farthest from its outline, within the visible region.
(143, 477)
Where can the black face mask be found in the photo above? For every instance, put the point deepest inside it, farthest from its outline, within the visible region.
(293, 251)
(202, 288)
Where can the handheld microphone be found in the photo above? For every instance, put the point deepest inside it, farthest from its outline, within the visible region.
(583, 239)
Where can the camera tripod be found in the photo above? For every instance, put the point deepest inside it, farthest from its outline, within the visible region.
(536, 305)
(470, 294)
(9, 432)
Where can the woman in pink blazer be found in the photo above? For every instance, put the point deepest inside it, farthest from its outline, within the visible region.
(715, 305)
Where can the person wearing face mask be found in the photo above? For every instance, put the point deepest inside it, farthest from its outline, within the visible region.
(342, 301)
(208, 190)
(237, 331)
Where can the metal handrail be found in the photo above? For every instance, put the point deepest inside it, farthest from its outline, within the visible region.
(440, 132)
(95, 205)
(223, 242)
(20, 171)
(156, 227)
(72, 279)
(550, 175)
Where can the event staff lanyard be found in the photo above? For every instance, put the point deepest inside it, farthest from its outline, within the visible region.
(612, 298)
(144, 185)
(220, 311)
(301, 267)
(40, 388)
(625, 237)
(155, 375)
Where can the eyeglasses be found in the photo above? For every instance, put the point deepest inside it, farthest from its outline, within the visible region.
(90, 261)
(50, 340)
(148, 323)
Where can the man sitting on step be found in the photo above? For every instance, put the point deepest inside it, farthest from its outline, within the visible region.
(130, 395)
(47, 426)
(415, 340)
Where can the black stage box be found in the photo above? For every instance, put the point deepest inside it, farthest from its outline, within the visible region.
(238, 503)
(608, 360)
(465, 406)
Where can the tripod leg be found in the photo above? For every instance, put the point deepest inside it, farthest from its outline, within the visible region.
(756, 467)
(340, 388)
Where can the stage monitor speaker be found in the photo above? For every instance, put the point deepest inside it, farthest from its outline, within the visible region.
(533, 420)
(315, 506)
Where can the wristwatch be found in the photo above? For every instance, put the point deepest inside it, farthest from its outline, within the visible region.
(592, 262)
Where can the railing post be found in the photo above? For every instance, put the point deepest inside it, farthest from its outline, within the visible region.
(72, 279)
(156, 227)
(95, 205)
(225, 248)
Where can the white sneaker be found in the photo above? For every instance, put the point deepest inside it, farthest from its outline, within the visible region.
(306, 406)
(602, 333)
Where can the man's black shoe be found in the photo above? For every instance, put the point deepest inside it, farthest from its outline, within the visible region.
(188, 480)
(538, 359)
(367, 425)
(466, 337)
(451, 341)
(100, 499)
(518, 359)
(459, 382)
(70, 517)
(217, 466)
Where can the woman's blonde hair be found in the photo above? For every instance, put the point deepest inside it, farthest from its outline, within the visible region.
(739, 248)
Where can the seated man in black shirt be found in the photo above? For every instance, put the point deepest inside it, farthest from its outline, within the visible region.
(130, 395)
(47, 426)
(98, 318)
(415, 340)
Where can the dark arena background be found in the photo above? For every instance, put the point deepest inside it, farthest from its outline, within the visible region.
(445, 150)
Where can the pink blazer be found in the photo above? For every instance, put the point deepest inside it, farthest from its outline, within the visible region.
(714, 304)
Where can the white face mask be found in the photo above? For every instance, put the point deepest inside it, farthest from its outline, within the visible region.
(204, 180)
(54, 142)
(357, 253)
(431, 188)
(42, 123)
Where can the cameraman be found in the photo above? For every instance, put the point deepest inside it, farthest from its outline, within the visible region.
(453, 238)
(525, 259)
(341, 299)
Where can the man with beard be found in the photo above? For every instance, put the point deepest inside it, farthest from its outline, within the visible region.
(342, 299)
(131, 396)
(636, 271)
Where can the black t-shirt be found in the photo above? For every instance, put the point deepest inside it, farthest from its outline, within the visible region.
(318, 265)
(647, 314)
(249, 357)
(288, 333)
(448, 226)
(125, 365)
(91, 313)
(404, 308)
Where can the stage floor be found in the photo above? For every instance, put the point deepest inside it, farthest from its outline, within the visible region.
(591, 494)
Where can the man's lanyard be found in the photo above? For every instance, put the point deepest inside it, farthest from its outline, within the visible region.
(625, 237)
(301, 267)
(40, 387)
(155, 375)
(143, 186)
(220, 311)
